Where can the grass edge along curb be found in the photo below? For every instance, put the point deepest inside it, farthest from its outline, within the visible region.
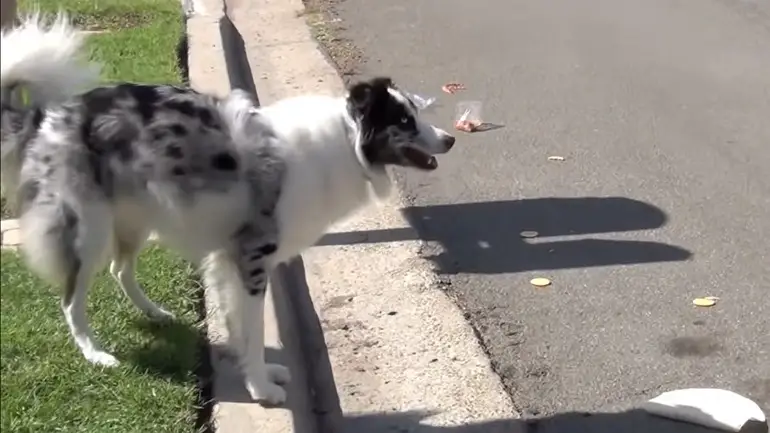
(112, 301)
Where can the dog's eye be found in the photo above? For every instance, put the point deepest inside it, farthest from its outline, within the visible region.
(405, 120)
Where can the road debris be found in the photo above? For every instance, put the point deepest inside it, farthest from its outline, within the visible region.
(708, 407)
(421, 102)
(529, 234)
(468, 116)
(452, 87)
(709, 301)
(556, 158)
(540, 282)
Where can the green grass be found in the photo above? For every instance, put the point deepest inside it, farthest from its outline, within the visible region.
(48, 387)
(110, 14)
(45, 384)
(139, 40)
(4, 211)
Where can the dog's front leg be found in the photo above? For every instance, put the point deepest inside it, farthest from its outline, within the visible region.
(263, 380)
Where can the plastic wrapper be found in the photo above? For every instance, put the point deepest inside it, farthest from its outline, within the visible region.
(452, 87)
(468, 116)
(422, 102)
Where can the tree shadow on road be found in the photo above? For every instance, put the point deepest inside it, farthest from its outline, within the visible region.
(484, 237)
(632, 421)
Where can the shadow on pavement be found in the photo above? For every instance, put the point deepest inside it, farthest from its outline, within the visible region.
(484, 237)
(633, 421)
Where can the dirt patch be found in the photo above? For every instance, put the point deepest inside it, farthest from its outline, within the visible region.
(113, 20)
(327, 28)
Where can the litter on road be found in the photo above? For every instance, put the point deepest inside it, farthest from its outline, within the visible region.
(452, 87)
(540, 282)
(529, 234)
(468, 116)
(556, 158)
(708, 301)
(420, 101)
(709, 407)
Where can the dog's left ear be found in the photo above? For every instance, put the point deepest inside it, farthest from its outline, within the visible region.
(360, 97)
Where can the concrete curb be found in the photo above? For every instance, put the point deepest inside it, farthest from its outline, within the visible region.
(218, 63)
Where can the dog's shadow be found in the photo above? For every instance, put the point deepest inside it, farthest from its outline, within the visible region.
(166, 354)
(485, 237)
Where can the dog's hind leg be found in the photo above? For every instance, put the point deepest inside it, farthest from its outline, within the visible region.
(74, 307)
(64, 245)
(127, 247)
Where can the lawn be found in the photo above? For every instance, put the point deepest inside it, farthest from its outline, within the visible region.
(45, 384)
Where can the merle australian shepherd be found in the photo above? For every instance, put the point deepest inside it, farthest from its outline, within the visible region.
(93, 170)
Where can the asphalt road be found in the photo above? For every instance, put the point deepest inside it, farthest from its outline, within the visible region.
(661, 109)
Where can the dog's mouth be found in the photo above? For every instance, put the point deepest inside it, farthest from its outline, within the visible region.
(419, 158)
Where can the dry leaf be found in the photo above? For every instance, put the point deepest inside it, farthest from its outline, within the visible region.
(704, 302)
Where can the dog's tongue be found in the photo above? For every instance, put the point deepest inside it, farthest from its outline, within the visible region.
(420, 159)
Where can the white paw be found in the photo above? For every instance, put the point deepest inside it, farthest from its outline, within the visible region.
(265, 391)
(158, 314)
(99, 357)
(278, 374)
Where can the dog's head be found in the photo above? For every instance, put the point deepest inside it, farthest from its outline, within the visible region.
(390, 129)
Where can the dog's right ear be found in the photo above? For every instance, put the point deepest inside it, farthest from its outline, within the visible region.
(360, 97)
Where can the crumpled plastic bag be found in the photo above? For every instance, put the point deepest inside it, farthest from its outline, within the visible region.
(421, 102)
(709, 407)
(468, 116)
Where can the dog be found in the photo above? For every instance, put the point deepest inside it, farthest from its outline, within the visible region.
(235, 188)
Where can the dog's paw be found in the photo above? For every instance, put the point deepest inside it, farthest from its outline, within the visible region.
(266, 392)
(104, 359)
(278, 373)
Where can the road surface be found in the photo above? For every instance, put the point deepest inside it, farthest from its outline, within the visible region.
(661, 110)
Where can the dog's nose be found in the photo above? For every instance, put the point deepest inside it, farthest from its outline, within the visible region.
(449, 141)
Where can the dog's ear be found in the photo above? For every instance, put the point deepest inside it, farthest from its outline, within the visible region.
(363, 94)
(381, 83)
(360, 97)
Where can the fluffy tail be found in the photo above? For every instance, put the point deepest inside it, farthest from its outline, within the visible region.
(45, 59)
